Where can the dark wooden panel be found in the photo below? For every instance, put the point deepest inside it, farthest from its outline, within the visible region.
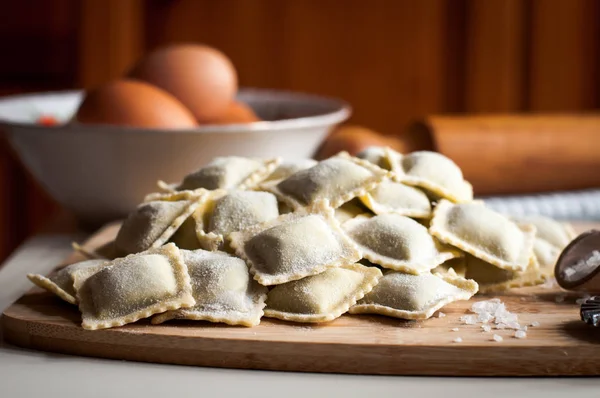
(565, 47)
(495, 56)
(110, 39)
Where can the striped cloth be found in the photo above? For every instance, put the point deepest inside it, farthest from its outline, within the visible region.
(572, 205)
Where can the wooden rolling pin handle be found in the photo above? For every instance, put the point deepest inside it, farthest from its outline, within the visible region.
(515, 153)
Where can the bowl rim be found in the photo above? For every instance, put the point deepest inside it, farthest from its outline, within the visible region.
(341, 113)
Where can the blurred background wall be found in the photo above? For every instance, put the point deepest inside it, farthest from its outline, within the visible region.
(393, 60)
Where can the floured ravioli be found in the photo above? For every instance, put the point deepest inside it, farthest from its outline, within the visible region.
(550, 239)
(455, 265)
(294, 246)
(434, 172)
(322, 297)
(153, 223)
(493, 279)
(350, 209)
(145, 284)
(408, 296)
(227, 173)
(285, 169)
(61, 281)
(395, 197)
(376, 155)
(223, 290)
(231, 211)
(397, 242)
(484, 233)
(337, 180)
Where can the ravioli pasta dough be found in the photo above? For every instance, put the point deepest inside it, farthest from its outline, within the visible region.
(350, 210)
(322, 297)
(226, 172)
(414, 296)
(223, 290)
(61, 281)
(233, 211)
(286, 169)
(337, 180)
(376, 155)
(294, 246)
(145, 284)
(433, 172)
(493, 279)
(395, 197)
(153, 223)
(397, 242)
(484, 233)
(551, 238)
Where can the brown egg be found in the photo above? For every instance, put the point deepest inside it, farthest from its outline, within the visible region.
(201, 77)
(134, 103)
(353, 139)
(237, 112)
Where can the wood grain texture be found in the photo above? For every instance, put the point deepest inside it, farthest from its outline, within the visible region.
(564, 51)
(495, 56)
(110, 39)
(561, 345)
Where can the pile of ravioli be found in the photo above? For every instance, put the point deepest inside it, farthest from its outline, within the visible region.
(305, 241)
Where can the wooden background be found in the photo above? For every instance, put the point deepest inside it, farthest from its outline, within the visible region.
(394, 60)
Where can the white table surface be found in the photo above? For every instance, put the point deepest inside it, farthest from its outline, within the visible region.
(27, 373)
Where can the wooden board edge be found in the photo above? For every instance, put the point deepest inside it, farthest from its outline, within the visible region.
(314, 358)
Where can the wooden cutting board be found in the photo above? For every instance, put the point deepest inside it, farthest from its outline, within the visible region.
(561, 345)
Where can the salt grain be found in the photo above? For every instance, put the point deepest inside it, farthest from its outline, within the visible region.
(559, 299)
(519, 334)
(514, 325)
(497, 338)
(457, 340)
(441, 315)
(582, 267)
(454, 329)
(468, 319)
(534, 324)
(486, 328)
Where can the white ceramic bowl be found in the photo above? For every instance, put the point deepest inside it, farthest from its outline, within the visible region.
(102, 172)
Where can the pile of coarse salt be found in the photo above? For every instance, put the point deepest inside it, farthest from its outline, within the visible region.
(494, 312)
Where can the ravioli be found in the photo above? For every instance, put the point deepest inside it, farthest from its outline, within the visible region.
(223, 290)
(493, 279)
(434, 172)
(233, 211)
(294, 246)
(322, 297)
(61, 282)
(455, 265)
(337, 180)
(153, 223)
(484, 233)
(395, 197)
(397, 242)
(350, 209)
(377, 155)
(286, 169)
(145, 284)
(409, 296)
(550, 239)
(227, 173)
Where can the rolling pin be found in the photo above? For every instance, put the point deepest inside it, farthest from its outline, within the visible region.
(501, 154)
